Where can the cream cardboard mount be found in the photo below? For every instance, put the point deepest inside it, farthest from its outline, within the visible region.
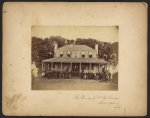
(18, 98)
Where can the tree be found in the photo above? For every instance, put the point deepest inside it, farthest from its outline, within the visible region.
(44, 48)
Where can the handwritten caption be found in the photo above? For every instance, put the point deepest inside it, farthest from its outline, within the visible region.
(103, 100)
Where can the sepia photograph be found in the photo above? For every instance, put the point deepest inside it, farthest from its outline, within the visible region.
(74, 57)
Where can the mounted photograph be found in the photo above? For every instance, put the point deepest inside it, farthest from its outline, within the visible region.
(74, 57)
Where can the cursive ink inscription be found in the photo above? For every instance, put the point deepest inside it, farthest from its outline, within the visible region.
(105, 100)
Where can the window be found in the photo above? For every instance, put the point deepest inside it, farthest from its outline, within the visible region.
(83, 54)
(61, 54)
(68, 55)
(90, 56)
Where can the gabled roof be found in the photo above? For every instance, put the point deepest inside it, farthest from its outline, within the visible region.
(76, 60)
(75, 48)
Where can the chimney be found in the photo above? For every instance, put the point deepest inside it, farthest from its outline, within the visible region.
(96, 48)
(55, 46)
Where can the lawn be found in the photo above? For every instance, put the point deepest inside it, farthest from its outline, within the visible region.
(71, 84)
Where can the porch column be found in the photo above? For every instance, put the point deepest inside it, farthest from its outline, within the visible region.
(51, 65)
(80, 67)
(105, 67)
(42, 67)
(90, 66)
(71, 66)
(98, 67)
(45, 66)
(61, 66)
(48, 66)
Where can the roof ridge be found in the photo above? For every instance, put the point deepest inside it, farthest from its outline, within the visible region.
(71, 46)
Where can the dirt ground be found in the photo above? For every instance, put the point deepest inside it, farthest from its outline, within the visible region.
(71, 84)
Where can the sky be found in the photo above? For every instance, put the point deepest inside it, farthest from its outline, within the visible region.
(101, 33)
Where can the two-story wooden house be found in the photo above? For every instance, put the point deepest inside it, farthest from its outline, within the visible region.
(74, 58)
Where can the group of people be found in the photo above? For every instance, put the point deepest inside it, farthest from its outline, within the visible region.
(105, 76)
(58, 75)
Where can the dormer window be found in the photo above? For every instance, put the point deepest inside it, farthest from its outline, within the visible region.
(90, 54)
(68, 53)
(83, 54)
(61, 54)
